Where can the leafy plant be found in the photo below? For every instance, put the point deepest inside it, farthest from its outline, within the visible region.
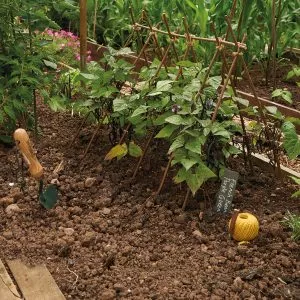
(283, 94)
(295, 72)
(293, 222)
(21, 64)
(61, 46)
(168, 106)
(297, 181)
(291, 141)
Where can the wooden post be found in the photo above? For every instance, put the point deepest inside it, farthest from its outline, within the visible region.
(83, 33)
(95, 19)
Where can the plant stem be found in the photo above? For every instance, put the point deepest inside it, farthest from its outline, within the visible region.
(143, 155)
(164, 175)
(124, 134)
(186, 198)
(35, 114)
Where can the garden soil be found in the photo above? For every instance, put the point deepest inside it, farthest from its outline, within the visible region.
(109, 238)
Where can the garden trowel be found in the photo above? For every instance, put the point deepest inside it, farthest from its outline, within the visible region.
(49, 196)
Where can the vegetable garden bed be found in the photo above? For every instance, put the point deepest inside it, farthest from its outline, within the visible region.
(109, 239)
(146, 226)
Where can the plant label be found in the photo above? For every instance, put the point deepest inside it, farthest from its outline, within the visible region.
(226, 192)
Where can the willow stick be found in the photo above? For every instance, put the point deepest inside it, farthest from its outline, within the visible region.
(143, 154)
(193, 37)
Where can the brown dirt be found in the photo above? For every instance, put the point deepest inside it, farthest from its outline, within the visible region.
(266, 91)
(122, 244)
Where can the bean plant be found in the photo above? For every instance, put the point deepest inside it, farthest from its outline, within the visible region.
(168, 107)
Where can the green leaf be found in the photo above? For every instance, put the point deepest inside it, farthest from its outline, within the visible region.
(294, 72)
(185, 63)
(234, 150)
(272, 109)
(10, 112)
(180, 176)
(291, 141)
(161, 86)
(178, 143)
(50, 64)
(164, 85)
(242, 101)
(202, 174)
(188, 163)
(296, 194)
(178, 120)
(194, 182)
(161, 120)
(276, 93)
(57, 103)
(284, 94)
(89, 76)
(179, 155)
(287, 96)
(134, 150)
(166, 131)
(123, 51)
(175, 119)
(296, 179)
(119, 104)
(6, 139)
(140, 110)
(195, 144)
(217, 129)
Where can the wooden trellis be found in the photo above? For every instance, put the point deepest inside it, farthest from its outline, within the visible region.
(223, 45)
(228, 50)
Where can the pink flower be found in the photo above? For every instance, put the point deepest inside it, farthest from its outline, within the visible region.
(89, 58)
(49, 32)
(77, 57)
(63, 33)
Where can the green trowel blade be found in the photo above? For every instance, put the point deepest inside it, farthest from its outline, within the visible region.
(49, 196)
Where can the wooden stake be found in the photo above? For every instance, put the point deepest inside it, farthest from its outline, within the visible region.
(92, 138)
(196, 38)
(139, 39)
(245, 137)
(164, 17)
(186, 198)
(124, 134)
(220, 98)
(164, 175)
(188, 37)
(95, 19)
(79, 128)
(143, 155)
(83, 33)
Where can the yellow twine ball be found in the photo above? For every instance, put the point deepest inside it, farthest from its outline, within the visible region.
(246, 227)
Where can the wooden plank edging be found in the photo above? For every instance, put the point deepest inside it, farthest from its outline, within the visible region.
(35, 283)
(8, 290)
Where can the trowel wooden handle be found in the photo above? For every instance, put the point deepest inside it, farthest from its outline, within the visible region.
(23, 142)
